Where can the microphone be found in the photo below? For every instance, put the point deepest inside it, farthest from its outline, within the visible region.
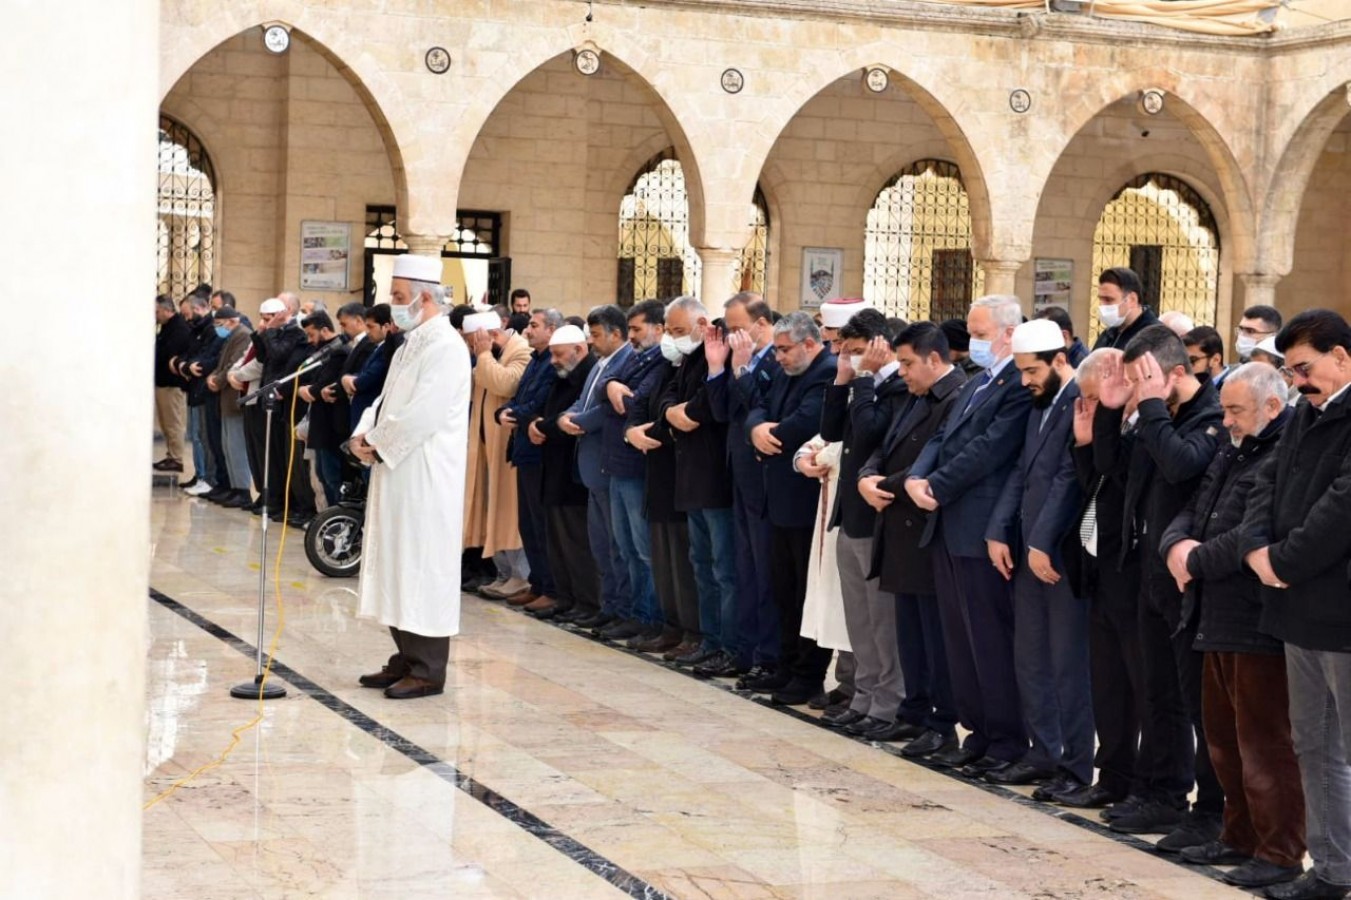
(322, 353)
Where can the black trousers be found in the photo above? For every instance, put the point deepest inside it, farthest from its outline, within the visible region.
(570, 560)
(673, 576)
(1117, 670)
(790, 554)
(220, 474)
(302, 494)
(534, 525)
(253, 443)
(420, 656)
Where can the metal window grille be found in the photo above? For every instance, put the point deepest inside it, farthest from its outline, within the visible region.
(477, 235)
(917, 245)
(1161, 227)
(654, 232)
(749, 273)
(186, 231)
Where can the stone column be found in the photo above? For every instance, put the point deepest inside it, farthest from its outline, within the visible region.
(715, 287)
(75, 466)
(426, 244)
(1001, 275)
(1259, 288)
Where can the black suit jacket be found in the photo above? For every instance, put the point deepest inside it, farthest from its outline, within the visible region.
(702, 480)
(858, 414)
(561, 483)
(731, 399)
(794, 402)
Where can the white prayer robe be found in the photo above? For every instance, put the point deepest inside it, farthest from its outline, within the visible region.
(411, 547)
(823, 611)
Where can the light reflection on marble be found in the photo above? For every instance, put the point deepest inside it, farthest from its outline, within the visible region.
(694, 791)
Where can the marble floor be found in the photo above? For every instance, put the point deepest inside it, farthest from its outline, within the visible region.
(552, 767)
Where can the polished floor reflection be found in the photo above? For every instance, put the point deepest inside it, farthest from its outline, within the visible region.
(552, 767)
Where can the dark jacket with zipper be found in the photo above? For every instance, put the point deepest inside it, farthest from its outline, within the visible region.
(1119, 337)
(858, 414)
(1301, 509)
(702, 480)
(173, 339)
(793, 403)
(1224, 599)
(659, 501)
(561, 482)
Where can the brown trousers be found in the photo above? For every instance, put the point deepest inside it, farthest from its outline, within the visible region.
(420, 656)
(171, 414)
(1245, 703)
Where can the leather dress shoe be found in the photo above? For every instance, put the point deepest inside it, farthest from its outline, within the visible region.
(539, 604)
(930, 743)
(1308, 887)
(1088, 796)
(900, 730)
(795, 693)
(167, 464)
(621, 631)
(1150, 817)
(843, 718)
(524, 598)
(409, 688)
(661, 643)
(1121, 808)
(217, 494)
(1214, 853)
(772, 680)
(684, 648)
(241, 500)
(382, 679)
(955, 757)
(835, 708)
(594, 621)
(725, 666)
(645, 634)
(823, 700)
(979, 768)
(1019, 773)
(1063, 781)
(1197, 828)
(552, 611)
(566, 615)
(300, 520)
(699, 654)
(866, 726)
(1256, 873)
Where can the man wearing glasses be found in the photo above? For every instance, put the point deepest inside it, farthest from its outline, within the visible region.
(1258, 324)
(1297, 540)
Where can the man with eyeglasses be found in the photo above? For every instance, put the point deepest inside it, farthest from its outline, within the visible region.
(1205, 353)
(1297, 540)
(1258, 324)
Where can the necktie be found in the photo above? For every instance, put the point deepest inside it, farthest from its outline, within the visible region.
(1088, 528)
(981, 384)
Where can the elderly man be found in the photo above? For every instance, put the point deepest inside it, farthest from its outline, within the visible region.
(1177, 322)
(1120, 308)
(1031, 525)
(490, 512)
(1244, 694)
(230, 326)
(246, 376)
(785, 416)
(958, 477)
(1297, 540)
(414, 435)
(281, 349)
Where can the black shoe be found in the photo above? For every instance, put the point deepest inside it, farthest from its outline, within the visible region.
(646, 634)
(699, 655)
(930, 743)
(899, 730)
(866, 726)
(824, 699)
(714, 663)
(300, 520)
(591, 620)
(1197, 828)
(1214, 853)
(954, 758)
(1091, 796)
(569, 616)
(842, 718)
(1019, 773)
(240, 500)
(725, 666)
(755, 674)
(834, 709)
(1061, 783)
(772, 680)
(796, 693)
(1122, 808)
(555, 612)
(620, 631)
(275, 515)
(1152, 817)
(1308, 887)
(1256, 873)
(217, 494)
(979, 768)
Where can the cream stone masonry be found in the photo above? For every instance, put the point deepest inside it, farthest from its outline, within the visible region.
(512, 128)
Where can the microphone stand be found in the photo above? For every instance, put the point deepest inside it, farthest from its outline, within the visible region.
(267, 395)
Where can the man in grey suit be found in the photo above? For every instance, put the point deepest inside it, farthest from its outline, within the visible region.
(1035, 515)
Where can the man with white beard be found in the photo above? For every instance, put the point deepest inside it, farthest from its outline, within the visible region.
(416, 438)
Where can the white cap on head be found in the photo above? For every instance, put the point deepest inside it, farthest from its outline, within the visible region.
(271, 306)
(837, 313)
(481, 321)
(1037, 336)
(412, 267)
(568, 334)
(1269, 346)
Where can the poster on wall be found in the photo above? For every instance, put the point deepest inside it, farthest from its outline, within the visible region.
(325, 250)
(822, 276)
(1053, 284)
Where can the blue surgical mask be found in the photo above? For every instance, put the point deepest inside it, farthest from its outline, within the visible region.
(981, 353)
(222, 331)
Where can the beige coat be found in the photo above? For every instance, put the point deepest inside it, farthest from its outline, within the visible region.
(490, 485)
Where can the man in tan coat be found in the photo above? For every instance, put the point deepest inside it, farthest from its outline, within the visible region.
(500, 357)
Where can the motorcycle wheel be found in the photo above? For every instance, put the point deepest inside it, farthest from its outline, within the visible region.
(333, 541)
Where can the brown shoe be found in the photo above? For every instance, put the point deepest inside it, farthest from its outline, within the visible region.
(684, 648)
(408, 687)
(382, 679)
(540, 604)
(659, 644)
(524, 598)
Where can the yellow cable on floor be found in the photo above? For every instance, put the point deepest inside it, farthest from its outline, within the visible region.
(237, 735)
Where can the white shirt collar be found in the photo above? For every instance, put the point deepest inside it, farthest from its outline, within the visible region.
(884, 373)
(998, 367)
(1328, 402)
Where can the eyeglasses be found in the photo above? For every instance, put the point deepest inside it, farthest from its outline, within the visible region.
(1253, 332)
(1196, 360)
(1302, 369)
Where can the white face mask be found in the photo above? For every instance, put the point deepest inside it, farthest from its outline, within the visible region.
(669, 349)
(686, 345)
(1111, 315)
(1245, 346)
(855, 361)
(406, 317)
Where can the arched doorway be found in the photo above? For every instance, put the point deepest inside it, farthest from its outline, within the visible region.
(917, 260)
(1162, 228)
(186, 240)
(655, 256)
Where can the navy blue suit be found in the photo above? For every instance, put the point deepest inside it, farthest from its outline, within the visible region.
(1039, 510)
(532, 392)
(967, 463)
(731, 398)
(795, 403)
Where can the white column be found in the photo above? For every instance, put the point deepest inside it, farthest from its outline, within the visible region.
(1000, 277)
(715, 285)
(80, 90)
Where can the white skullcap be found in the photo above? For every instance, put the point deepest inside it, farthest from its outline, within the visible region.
(1037, 336)
(481, 321)
(1269, 346)
(270, 306)
(568, 334)
(837, 313)
(412, 267)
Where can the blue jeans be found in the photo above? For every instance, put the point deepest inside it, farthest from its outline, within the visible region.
(329, 465)
(236, 452)
(627, 496)
(201, 465)
(758, 615)
(713, 555)
(616, 598)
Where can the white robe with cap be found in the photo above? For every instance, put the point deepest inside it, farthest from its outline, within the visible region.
(823, 611)
(411, 548)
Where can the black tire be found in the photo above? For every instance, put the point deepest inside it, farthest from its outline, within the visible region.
(333, 541)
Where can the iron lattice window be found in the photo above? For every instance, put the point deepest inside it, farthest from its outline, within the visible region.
(477, 235)
(1162, 228)
(917, 245)
(751, 265)
(186, 239)
(654, 235)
